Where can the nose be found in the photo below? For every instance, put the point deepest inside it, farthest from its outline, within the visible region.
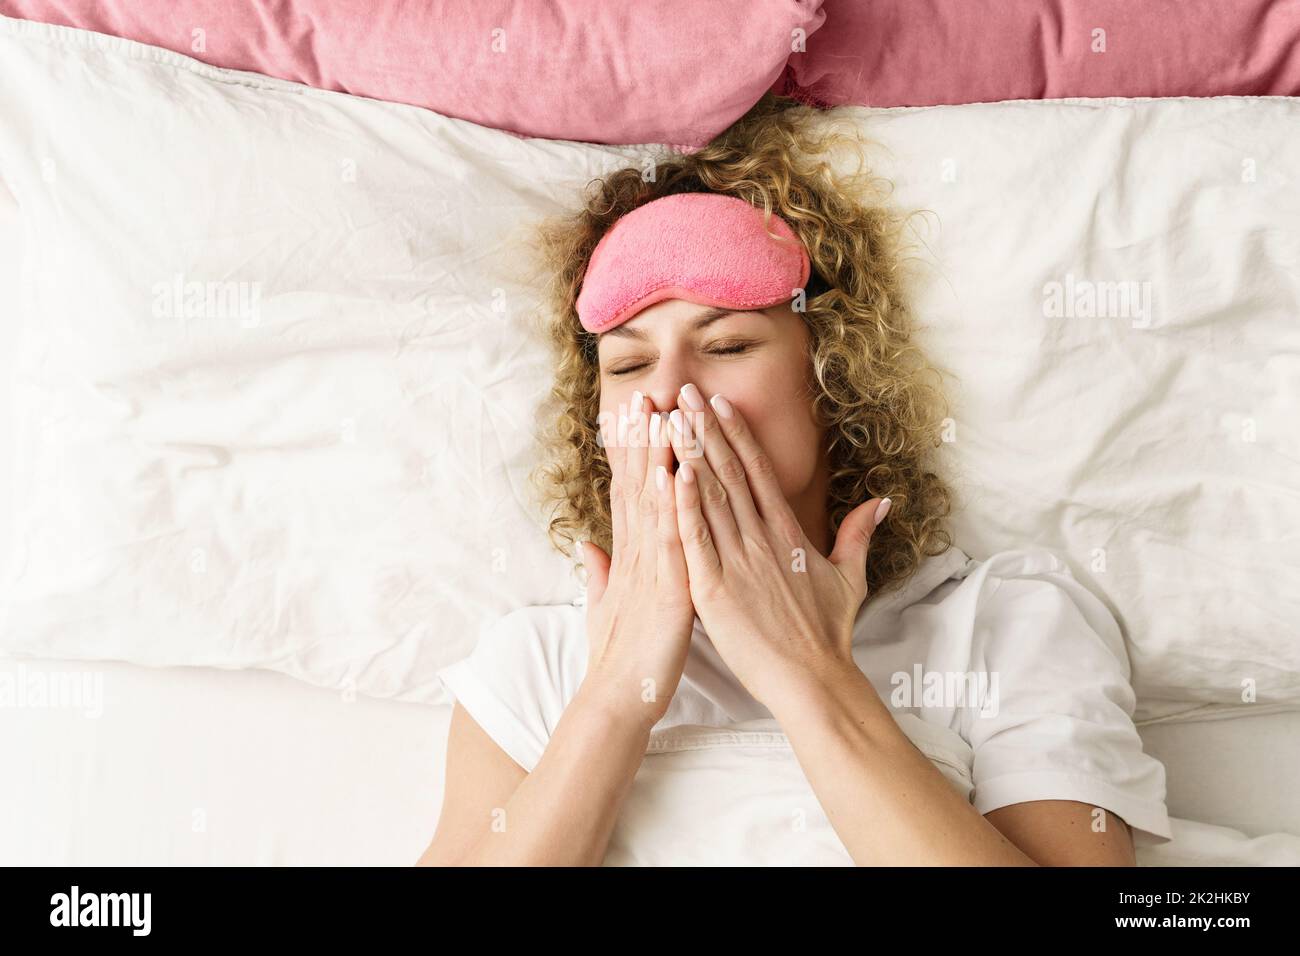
(665, 398)
(671, 373)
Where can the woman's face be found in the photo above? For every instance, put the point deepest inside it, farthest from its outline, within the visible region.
(757, 360)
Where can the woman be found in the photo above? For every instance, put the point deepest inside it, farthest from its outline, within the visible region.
(746, 428)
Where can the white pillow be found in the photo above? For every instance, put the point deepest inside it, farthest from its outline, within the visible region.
(323, 471)
(1156, 448)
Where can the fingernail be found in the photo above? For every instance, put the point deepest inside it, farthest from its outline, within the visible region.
(693, 397)
(687, 473)
(882, 509)
(637, 398)
(675, 416)
(661, 477)
(721, 406)
(654, 431)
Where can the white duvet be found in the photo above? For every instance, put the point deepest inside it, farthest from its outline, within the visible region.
(274, 391)
(748, 775)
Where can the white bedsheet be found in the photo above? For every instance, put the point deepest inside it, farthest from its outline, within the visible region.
(190, 766)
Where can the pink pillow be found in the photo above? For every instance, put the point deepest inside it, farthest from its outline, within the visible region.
(928, 52)
(672, 71)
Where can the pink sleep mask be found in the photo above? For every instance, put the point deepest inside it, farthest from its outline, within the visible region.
(705, 248)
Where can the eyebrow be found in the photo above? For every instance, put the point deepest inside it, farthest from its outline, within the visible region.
(705, 319)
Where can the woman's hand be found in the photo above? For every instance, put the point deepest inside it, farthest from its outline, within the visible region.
(639, 610)
(779, 613)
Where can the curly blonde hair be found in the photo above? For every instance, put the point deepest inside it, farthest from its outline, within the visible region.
(882, 416)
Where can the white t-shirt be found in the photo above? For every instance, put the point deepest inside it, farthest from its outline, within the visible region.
(1008, 673)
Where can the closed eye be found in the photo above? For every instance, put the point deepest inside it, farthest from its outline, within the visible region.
(734, 348)
(730, 349)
